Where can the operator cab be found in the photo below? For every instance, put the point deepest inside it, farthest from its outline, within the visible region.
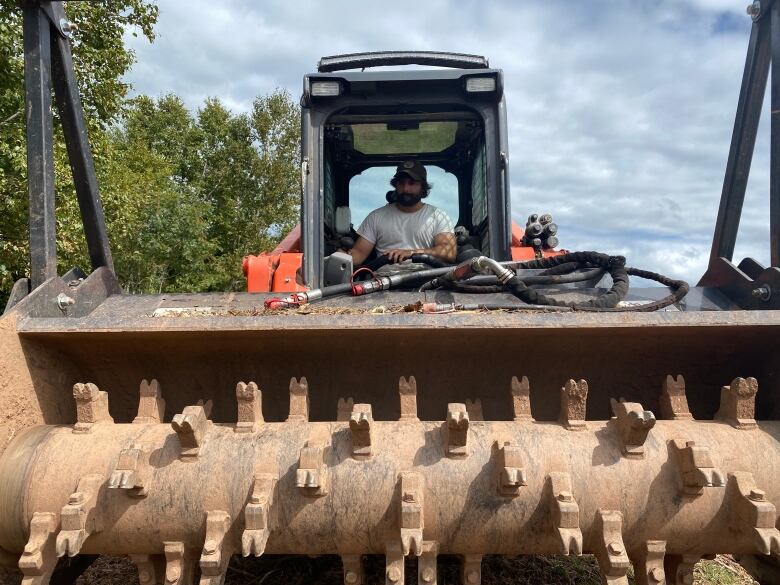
(357, 126)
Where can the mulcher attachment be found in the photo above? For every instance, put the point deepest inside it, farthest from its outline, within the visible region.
(660, 494)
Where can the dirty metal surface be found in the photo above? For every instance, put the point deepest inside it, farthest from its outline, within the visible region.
(464, 486)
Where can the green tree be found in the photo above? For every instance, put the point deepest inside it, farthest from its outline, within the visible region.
(186, 195)
(236, 173)
(101, 60)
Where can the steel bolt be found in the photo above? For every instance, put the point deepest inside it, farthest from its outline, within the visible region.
(757, 495)
(427, 575)
(210, 547)
(76, 498)
(64, 301)
(68, 27)
(657, 575)
(762, 292)
(393, 574)
(565, 496)
(615, 548)
(351, 577)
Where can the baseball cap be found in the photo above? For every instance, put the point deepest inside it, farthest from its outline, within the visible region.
(414, 169)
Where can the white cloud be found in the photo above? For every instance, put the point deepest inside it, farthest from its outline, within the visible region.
(620, 113)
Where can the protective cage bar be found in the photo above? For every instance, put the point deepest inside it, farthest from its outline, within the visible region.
(48, 62)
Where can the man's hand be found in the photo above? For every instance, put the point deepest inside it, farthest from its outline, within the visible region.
(397, 256)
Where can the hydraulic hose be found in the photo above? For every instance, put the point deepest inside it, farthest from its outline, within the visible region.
(608, 301)
(502, 277)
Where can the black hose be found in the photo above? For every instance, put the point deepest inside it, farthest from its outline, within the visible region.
(432, 261)
(615, 265)
(566, 263)
(383, 260)
(336, 289)
(570, 267)
(490, 284)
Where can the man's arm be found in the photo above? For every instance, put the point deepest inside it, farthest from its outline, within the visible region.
(444, 248)
(361, 250)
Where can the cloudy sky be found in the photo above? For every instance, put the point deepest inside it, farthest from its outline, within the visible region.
(620, 112)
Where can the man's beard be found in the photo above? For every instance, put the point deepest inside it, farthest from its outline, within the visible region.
(407, 199)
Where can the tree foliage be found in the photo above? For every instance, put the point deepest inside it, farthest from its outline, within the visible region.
(186, 194)
(225, 186)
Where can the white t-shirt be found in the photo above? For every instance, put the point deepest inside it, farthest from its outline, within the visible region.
(389, 228)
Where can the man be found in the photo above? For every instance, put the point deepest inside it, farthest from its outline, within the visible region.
(407, 226)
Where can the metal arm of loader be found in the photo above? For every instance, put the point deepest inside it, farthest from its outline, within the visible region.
(750, 284)
(47, 62)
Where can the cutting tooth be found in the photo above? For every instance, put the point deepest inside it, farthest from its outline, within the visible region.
(565, 514)
(474, 408)
(250, 410)
(151, 405)
(216, 548)
(633, 423)
(674, 404)
(471, 569)
(695, 467)
(344, 409)
(457, 426)
(179, 565)
(260, 514)
(412, 514)
(752, 513)
(91, 407)
(408, 393)
(311, 477)
(426, 564)
(738, 403)
(678, 569)
(299, 400)
(130, 474)
(360, 423)
(610, 550)
(191, 426)
(649, 563)
(521, 400)
(394, 563)
(512, 473)
(574, 396)
(80, 517)
(353, 569)
(39, 557)
(151, 568)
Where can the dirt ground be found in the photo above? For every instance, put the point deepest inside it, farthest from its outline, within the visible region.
(326, 570)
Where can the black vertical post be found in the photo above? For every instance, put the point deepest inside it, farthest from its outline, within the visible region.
(40, 156)
(743, 140)
(774, 181)
(79, 152)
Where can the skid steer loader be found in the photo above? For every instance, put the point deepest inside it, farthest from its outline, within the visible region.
(522, 401)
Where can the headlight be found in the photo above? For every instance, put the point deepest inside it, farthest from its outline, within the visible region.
(476, 84)
(325, 88)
